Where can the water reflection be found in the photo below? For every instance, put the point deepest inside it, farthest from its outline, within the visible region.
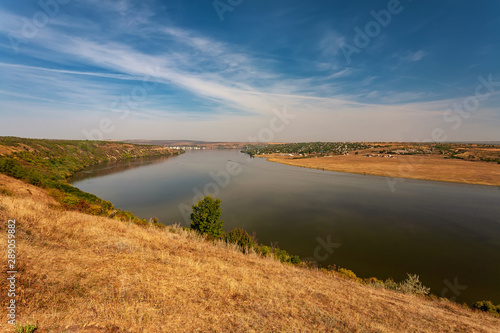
(104, 169)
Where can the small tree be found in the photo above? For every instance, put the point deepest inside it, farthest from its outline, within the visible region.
(206, 217)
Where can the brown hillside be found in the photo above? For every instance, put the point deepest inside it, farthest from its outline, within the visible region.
(81, 273)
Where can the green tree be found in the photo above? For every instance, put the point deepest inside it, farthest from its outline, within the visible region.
(206, 217)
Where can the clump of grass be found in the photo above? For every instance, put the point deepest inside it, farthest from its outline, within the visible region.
(28, 328)
(6, 192)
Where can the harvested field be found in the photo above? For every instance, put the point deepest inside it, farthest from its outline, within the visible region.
(432, 167)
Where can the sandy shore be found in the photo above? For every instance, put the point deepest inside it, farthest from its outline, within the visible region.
(413, 166)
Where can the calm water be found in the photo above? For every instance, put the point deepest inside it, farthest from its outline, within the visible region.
(447, 233)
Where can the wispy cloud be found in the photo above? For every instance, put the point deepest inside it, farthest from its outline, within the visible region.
(416, 56)
(206, 81)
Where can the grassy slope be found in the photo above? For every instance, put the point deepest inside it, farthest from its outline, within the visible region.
(84, 273)
(48, 163)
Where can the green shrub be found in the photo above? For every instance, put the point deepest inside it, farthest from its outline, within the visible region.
(264, 250)
(486, 306)
(295, 259)
(412, 285)
(28, 328)
(206, 217)
(390, 284)
(278, 254)
(374, 282)
(347, 273)
(240, 237)
(71, 200)
(281, 255)
(95, 210)
(141, 222)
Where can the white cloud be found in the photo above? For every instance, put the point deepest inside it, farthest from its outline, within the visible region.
(216, 73)
(416, 56)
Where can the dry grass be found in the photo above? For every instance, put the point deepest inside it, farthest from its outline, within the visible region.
(80, 273)
(413, 166)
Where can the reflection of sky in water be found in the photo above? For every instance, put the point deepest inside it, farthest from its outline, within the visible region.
(438, 230)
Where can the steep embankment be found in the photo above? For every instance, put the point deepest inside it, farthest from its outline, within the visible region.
(83, 273)
(48, 163)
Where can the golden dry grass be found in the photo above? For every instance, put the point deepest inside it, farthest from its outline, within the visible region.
(413, 166)
(80, 273)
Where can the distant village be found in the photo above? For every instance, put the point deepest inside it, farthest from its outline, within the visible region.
(187, 148)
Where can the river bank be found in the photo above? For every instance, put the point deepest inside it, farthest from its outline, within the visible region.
(433, 168)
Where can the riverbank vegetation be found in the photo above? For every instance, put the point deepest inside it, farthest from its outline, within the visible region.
(79, 272)
(205, 220)
(49, 163)
(305, 149)
(463, 151)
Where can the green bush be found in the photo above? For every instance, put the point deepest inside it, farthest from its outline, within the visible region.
(240, 237)
(264, 250)
(28, 328)
(390, 284)
(71, 200)
(487, 306)
(295, 259)
(206, 217)
(281, 255)
(374, 282)
(278, 254)
(412, 285)
(95, 210)
(347, 273)
(141, 222)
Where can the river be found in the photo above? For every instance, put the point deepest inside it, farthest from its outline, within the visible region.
(447, 233)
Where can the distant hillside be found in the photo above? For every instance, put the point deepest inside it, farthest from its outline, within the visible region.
(83, 273)
(49, 163)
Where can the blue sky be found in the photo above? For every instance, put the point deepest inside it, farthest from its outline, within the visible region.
(240, 69)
